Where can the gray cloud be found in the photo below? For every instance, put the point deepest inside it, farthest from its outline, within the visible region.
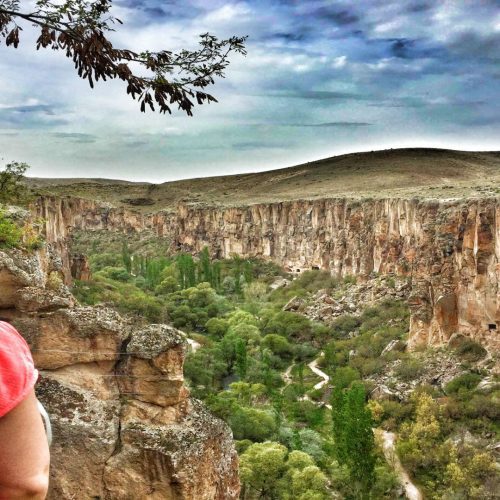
(318, 74)
(29, 108)
(330, 124)
(75, 137)
(341, 17)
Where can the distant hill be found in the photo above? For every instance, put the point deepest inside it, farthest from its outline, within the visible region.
(426, 173)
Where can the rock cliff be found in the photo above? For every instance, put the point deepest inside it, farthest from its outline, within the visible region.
(124, 424)
(448, 249)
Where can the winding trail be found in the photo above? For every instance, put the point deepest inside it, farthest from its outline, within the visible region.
(388, 438)
(287, 375)
(313, 365)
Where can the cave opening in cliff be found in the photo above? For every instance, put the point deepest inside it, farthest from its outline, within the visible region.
(492, 326)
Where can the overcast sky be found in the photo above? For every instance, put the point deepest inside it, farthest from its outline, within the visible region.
(321, 78)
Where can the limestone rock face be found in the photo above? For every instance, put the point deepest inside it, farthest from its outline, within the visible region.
(123, 423)
(182, 460)
(448, 249)
(152, 370)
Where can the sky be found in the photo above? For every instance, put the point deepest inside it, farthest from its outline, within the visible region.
(321, 78)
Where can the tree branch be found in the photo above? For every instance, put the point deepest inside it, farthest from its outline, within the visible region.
(78, 28)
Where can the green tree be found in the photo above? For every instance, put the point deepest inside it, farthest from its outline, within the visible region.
(344, 376)
(217, 327)
(216, 275)
(261, 468)
(168, 285)
(205, 368)
(269, 472)
(187, 270)
(252, 423)
(249, 333)
(278, 344)
(241, 358)
(354, 440)
(240, 317)
(205, 267)
(12, 189)
(126, 257)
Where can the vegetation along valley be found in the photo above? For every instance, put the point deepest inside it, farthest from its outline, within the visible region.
(249, 250)
(350, 344)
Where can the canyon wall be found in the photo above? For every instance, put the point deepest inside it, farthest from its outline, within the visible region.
(124, 425)
(448, 249)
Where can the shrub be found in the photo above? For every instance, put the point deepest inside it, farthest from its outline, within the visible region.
(54, 281)
(470, 350)
(10, 234)
(370, 366)
(315, 280)
(409, 370)
(350, 280)
(466, 381)
(116, 273)
(255, 291)
(31, 238)
(345, 376)
(101, 260)
(290, 325)
(344, 325)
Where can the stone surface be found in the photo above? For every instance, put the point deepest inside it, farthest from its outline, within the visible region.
(352, 298)
(71, 336)
(124, 426)
(449, 249)
(186, 459)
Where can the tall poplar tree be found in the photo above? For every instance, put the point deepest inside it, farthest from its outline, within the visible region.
(354, 440)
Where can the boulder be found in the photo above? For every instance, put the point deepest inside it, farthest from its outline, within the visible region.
(394, 345)
(382, 392)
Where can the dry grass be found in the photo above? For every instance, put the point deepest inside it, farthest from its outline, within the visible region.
(425, 173)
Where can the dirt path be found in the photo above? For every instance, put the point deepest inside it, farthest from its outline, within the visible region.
(287, 375)
(313, 365)
(388, 438)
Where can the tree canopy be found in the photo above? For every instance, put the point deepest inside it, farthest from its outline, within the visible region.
(12, 189)
(80, 28)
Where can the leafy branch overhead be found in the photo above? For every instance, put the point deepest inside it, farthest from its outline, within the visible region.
(80, 29)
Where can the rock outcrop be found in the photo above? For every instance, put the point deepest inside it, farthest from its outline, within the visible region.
(448, 249)
(124, 424)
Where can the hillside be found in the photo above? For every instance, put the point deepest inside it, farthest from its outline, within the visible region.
(426, 173)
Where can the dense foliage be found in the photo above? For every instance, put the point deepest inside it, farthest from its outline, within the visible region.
(12, 189)
(252, 369)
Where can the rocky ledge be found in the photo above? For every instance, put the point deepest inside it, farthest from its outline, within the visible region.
(124, 424)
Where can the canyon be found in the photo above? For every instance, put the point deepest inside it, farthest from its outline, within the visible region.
(125, 425)
(448, 249)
